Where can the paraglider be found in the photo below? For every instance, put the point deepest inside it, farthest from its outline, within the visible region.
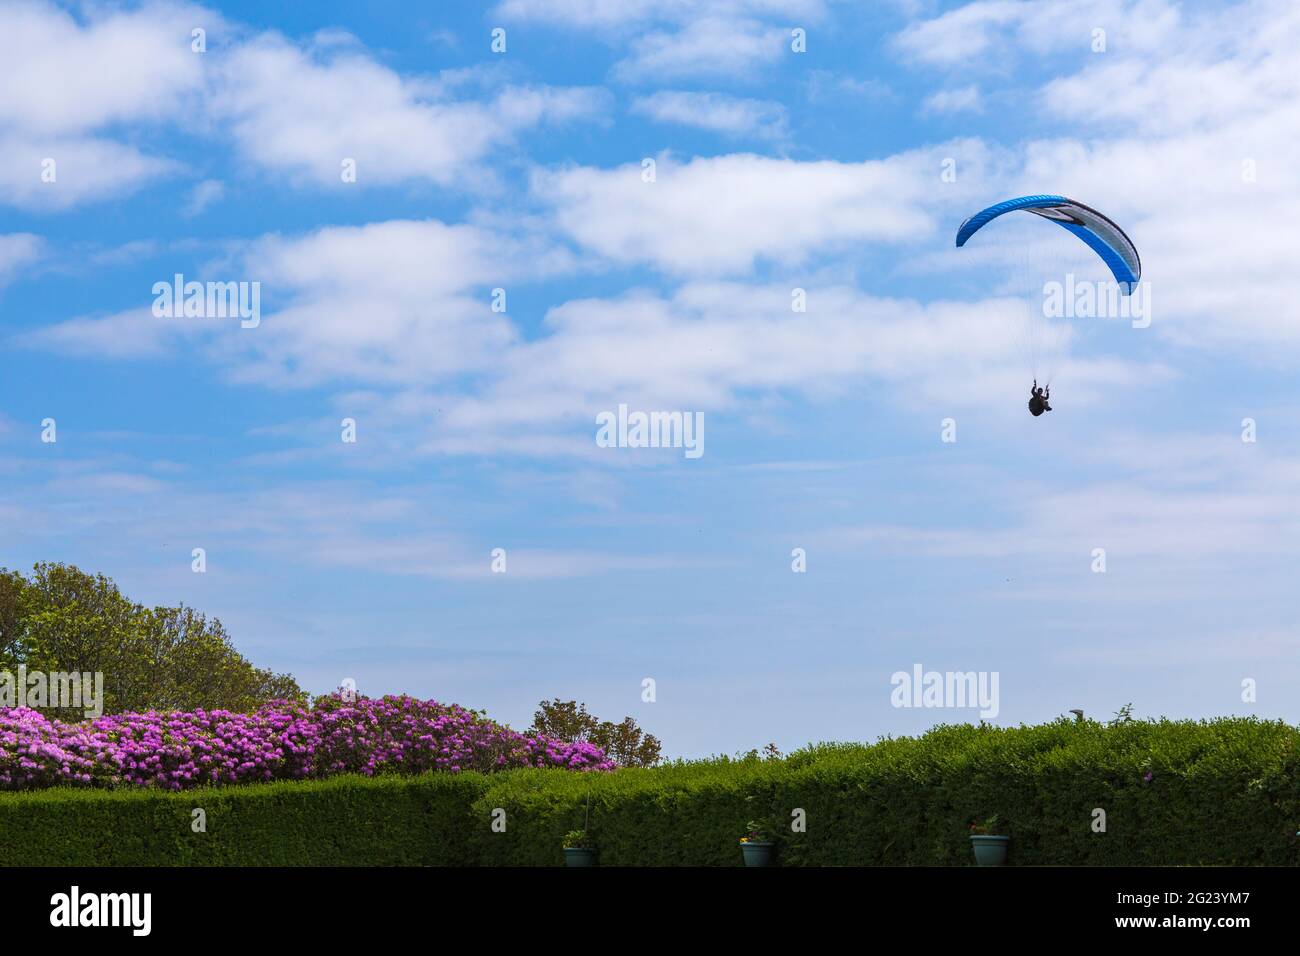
(1038, 399)
(1101, 234)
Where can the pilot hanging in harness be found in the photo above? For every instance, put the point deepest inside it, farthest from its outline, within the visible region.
(1038, 399)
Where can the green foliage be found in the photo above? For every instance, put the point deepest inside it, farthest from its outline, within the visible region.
(1222, 792)
(12, 594)
(756, 832)
(675, 815)
(577, 840)
(343, 821)
(625, 743)
(164, 658)
(1122, 716)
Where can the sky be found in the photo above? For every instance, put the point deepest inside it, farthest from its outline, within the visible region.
(449, 213)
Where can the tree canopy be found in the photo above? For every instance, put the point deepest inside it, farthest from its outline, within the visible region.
(62, 619)
(624, 742)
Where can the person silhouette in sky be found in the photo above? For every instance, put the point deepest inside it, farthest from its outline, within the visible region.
(1038, 399)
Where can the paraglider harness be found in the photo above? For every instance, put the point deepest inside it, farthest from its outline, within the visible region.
(1038, 399)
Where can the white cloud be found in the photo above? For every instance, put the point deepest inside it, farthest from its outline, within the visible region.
(633, 14)
(590, 13)
(304, 112)
(713, 346)
(402, 309)
(134, 334)
(962, 99)
(1214, 71)
(718, 215)
(708, 47)
(354, 525)
(18, 251)
(987, 34)
(134, 250)
(1199, 171)
(64, 80)
(392, 303)
(961, 34)
(398, 302)
(674, 39)
(824, 84)
(203, 195)
(1241, 496)
(63, 77)
(296, 110)
(84, 170)
(717, 112)
(1189, 118)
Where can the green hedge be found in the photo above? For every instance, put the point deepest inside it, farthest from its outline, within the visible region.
(1219, 792)
(338, 822)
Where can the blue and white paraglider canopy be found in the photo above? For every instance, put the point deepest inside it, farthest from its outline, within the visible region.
(1100, 233)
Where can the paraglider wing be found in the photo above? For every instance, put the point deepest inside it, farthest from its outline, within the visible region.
(1101, 234)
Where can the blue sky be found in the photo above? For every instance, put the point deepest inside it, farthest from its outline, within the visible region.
(775, 170)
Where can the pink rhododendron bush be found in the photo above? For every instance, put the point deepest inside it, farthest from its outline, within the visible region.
(178, 750)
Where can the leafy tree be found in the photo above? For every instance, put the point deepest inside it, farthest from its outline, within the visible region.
(1122, 716)
(13, 588)
(624, 743)
(164, 658)
(190, 652)
(73, 621)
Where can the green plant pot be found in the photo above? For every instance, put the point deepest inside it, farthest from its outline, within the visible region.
(989, 850)
(757, 854)
(579, 856)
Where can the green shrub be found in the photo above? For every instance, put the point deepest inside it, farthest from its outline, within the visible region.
(1174, 792)
(349, 820)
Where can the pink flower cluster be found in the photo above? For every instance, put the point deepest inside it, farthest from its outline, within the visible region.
(178, 750)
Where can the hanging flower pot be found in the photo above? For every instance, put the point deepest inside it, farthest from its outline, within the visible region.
(578, 849)
(755, 846)
(990, 846)
(990, 849)
(756, 854)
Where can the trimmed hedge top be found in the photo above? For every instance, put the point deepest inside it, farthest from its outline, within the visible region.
(1067, 792)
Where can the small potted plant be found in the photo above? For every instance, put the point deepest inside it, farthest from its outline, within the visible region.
(579, 850)
(756, 845)
(990, 846)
